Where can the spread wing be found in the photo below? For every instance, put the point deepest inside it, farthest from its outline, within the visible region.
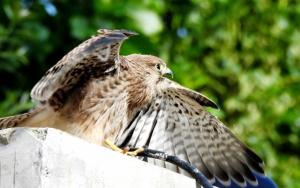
(177, 123)
(94, 57)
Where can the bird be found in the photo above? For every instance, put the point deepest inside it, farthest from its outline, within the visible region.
(97, 94)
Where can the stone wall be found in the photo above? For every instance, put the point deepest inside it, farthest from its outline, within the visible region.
(44, 158)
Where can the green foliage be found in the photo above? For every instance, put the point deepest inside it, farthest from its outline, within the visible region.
(243, 54)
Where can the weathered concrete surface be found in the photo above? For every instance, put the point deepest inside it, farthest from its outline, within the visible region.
(44, 158)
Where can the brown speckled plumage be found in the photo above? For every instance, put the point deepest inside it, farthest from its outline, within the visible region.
(96, 94)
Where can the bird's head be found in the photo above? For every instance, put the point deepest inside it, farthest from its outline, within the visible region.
(149, 66)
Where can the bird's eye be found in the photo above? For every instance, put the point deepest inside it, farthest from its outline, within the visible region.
(158, 66)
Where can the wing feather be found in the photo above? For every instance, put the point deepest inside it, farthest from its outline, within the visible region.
(181, 126)
(94, 57)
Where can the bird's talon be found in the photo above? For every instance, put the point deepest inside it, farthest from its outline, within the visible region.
(135, 152)
(125, 150)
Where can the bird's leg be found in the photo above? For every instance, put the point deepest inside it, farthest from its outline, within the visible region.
(113, 146)
(125, 150)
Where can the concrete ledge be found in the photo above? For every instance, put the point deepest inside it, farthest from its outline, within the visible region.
(44, 158)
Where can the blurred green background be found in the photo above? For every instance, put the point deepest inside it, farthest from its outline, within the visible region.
(245, 55)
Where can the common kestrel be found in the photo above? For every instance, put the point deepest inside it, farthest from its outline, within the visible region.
(96, 94)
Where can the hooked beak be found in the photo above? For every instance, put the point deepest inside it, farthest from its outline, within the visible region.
(167, 73)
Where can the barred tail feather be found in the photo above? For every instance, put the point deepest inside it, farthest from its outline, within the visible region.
(15, 121)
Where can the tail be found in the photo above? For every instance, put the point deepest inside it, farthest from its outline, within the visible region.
(15, 121)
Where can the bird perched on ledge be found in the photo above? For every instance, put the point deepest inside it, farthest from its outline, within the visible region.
(97, 94)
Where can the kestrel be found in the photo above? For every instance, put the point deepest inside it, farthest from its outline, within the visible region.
(97, 94)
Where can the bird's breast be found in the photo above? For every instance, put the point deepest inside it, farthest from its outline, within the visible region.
(99, 110)
(104, 107)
